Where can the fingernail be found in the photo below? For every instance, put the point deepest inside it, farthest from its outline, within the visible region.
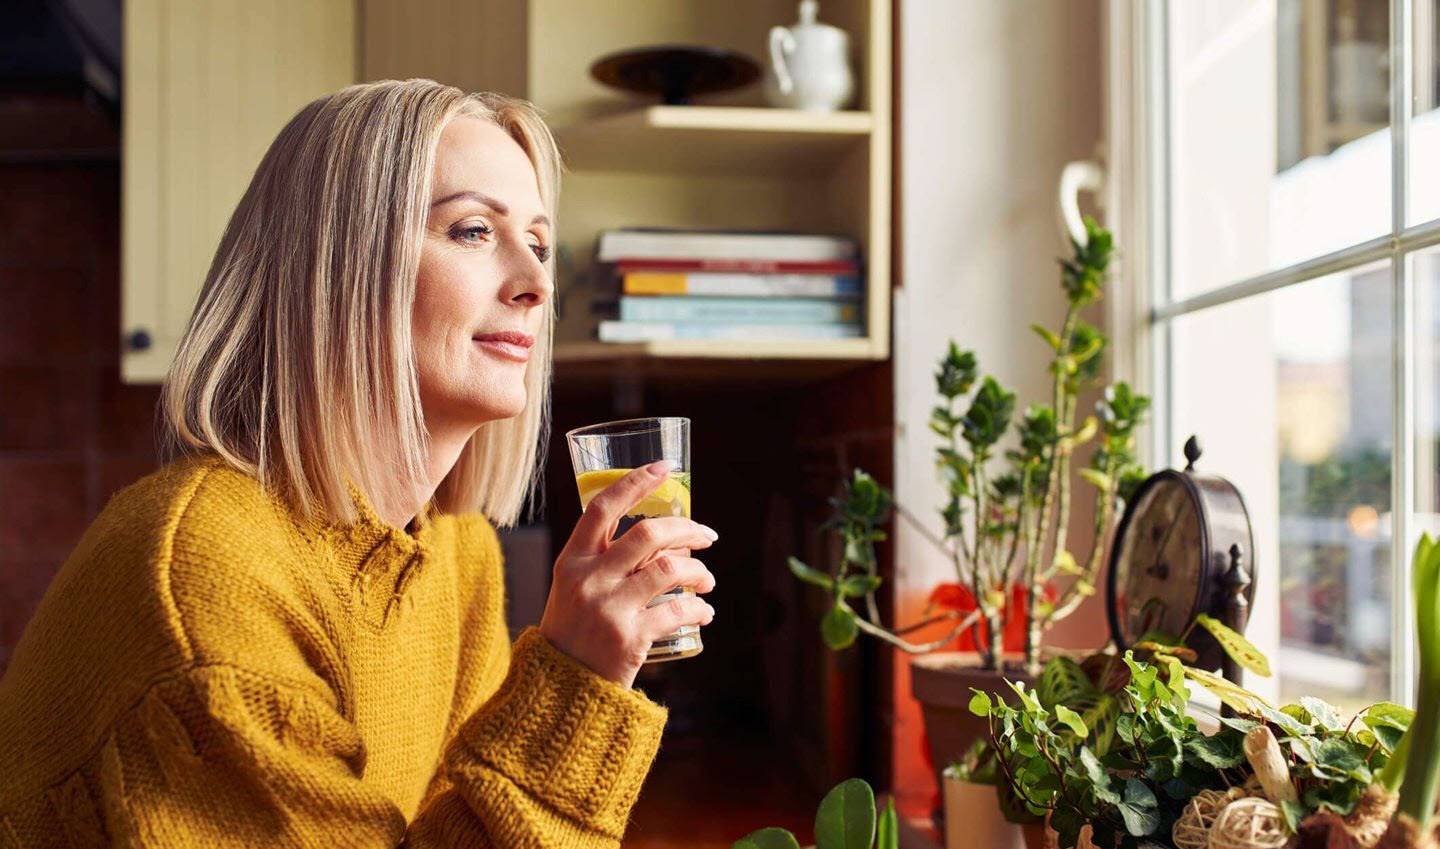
(709, 532)
(712, 611)
(661, 467)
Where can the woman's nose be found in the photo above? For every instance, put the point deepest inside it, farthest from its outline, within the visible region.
(528, 281)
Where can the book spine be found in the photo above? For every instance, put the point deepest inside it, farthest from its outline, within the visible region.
(649, 331)
(737, 310)
(713, 284)
(617, 244)
(629, 264)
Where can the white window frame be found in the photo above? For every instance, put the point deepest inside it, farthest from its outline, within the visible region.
(1137, 205)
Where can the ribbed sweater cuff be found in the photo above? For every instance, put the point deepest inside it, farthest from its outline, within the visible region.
(574, 741)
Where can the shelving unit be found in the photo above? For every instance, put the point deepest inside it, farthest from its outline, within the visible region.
(728, 163)
(715, 140)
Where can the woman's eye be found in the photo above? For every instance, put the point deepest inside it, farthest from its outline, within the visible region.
(471, 235)
(542, 252)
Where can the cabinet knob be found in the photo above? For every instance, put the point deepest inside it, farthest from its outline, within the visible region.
(138, 340)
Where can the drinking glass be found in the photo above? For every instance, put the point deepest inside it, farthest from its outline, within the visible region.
(603, 454)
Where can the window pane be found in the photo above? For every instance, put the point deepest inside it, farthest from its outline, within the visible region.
(1279, 137)
(1425, 271)
(1424, 142)
(1290, 395)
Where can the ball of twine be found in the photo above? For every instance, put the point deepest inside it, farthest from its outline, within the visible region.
(1192, 830)
(1249, 823)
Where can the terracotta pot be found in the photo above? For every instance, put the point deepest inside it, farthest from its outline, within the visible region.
(973, 818)
(941, 682)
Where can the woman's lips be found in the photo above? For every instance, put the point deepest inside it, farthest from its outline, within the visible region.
(510, 345)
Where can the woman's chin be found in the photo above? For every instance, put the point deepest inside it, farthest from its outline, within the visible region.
(507, 406)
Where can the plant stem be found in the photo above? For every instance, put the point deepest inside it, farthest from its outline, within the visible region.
(912, 648)
(1021, 517)
(1072, 598)
(873, 568)
(1055, 470)
(1422, 773)
(925, 623)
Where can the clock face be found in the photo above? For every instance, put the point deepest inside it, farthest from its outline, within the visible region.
(1158, 566)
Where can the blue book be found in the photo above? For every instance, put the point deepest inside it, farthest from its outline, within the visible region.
(649, 331)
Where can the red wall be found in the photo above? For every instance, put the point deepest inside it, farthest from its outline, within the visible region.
(70, 433)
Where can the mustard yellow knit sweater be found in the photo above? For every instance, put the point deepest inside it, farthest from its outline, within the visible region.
(207, 670)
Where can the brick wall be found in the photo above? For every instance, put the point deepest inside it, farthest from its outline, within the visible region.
(70, 433)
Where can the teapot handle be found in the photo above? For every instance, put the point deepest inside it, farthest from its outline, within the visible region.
(782, 42)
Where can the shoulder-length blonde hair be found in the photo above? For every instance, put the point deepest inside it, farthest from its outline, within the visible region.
(297, 365)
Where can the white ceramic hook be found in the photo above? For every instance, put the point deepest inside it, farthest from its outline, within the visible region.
(1076, 177)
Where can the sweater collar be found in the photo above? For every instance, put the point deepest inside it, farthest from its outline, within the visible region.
(380, 562)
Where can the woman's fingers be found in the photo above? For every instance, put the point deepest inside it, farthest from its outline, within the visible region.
(597, 524)
(665, 573)
(667, 618)
(649, 538)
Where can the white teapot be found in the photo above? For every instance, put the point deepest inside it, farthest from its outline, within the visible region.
(809, 65)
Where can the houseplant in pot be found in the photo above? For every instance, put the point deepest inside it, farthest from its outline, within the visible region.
(1117, 760)
(1006, 516)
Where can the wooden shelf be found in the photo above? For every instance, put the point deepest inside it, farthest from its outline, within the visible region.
(715, 140)
(830, 349)
(699, 361)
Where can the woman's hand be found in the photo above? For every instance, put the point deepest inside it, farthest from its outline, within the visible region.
(596, 611)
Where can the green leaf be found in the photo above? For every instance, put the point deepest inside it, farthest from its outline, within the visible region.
(1241, 650)
(838, 628)
(811, 576)
(1238, 698)
(1240, 724)
(1294, 813)
(1225, 750)
(1099, 777)
(859, 554)
(767, 838)
(846, 819)
(1065, 564)
(1140, 810)
(1389, 715)
(888, 835)
(1071, 720)
(1388, 738)
(1285, 722)
(856, 586)
(1323, 713)
(1051, 338)
(1096, 477)
(1063, 681)
(980, 703)
(1342, 756)
(957, 372)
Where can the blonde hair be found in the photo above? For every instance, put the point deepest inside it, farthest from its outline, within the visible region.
(297, 365)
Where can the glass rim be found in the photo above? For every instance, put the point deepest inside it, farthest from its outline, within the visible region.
(629, 427)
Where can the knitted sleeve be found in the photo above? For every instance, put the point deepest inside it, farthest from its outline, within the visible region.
(223, 757)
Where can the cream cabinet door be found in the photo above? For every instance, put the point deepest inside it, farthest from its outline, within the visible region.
(208, 85)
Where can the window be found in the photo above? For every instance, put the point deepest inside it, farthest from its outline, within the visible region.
(1292, 318)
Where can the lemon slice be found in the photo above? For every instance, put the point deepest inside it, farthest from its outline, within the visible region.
(672, 498)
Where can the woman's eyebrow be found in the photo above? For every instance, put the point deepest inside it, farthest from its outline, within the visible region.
(500, 207)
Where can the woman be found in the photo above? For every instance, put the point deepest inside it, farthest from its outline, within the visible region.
(294, 634)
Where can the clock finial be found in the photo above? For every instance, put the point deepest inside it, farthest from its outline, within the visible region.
(1192, 453)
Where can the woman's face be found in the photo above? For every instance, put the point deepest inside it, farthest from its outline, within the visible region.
(481, 293)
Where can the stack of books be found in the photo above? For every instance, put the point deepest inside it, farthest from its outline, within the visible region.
(689, 284)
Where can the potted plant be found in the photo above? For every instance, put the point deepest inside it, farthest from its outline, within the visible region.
(847, 819)
(1006, 516)
(1118, 761)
